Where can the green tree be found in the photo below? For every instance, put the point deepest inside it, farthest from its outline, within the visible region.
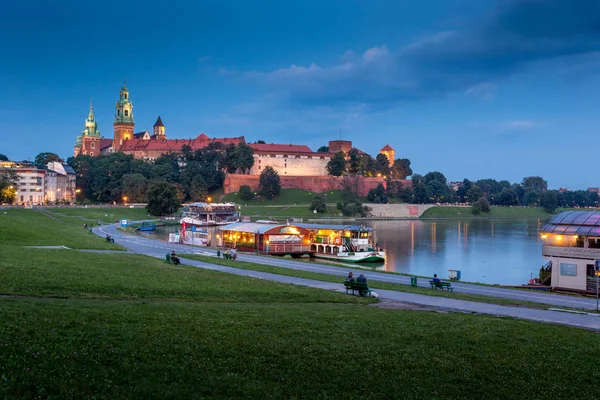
(42, 159)
(474, 193)
(261, 142)
(485, 204)
(3, 157)
(435, 176)
(532, 198)
(243, 157)
(269, 182)
(401, 169)
(323, 149)
(337, 165)
(550, 201)
(535, 183)
(507, 197)
(354, 159)
(382, 165)
(378, 195)
(355, 209)
(162, 199)
(318, 204)
(9, 181)
(246, 193)
(134, 187)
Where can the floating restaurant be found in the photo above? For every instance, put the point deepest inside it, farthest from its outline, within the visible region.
(265, 238)
(572, 246)
(349, 243)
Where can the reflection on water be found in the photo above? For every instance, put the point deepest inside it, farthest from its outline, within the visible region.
(489, 251)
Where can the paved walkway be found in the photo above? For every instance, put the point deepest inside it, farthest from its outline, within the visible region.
(159, 249)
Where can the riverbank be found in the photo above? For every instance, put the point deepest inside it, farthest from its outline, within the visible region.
(465, 212)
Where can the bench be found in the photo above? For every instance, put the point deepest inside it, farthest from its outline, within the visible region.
(227, 256)
(169, 260)
(359, 287)
(441, 285)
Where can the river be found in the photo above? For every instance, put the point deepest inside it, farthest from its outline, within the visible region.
(499, 251)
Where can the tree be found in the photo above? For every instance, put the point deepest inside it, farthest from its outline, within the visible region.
(318, 204)
(134, 187)
(162, 199)
(269, 182)
(401, 169)
(243, 157)
(535, 183)
(246, 193)
(9, 180)
(42, 159)
(323, 149)
(550, 200)
(382, 165)
(481, 205)
(507, 197)
(532, 198)
(474, 193)
(337, 165)
(353, 161)
(435, 176)
(378, 195)
(355, 209)
(261, 142)
(3, 157)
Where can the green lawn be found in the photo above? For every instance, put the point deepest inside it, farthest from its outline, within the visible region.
(80, 215)
(20, 227)
(283, 212)
(372, 284)
(495, 212)
(120, 326)
(288, 197)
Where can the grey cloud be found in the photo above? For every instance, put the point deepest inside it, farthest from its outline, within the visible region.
(516, 34)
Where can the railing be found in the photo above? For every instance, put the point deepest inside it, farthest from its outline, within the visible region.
(571, 252)
(287, 248)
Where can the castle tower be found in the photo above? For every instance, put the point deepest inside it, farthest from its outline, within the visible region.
(159, 129)
(89, 141)
(389, 152)
(123, 125)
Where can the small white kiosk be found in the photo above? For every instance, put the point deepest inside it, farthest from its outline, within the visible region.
(572, 244)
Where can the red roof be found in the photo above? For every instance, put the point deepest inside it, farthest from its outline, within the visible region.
(281, 148)
(387, 147)
(175, 145)
(105, 143)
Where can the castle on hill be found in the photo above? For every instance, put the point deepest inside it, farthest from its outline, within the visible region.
(291, 161)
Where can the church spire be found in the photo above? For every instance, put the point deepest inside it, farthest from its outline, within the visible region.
(124, 106)
(159, 129)
(91, 126)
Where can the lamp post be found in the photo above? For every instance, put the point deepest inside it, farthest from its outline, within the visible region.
(125, 200)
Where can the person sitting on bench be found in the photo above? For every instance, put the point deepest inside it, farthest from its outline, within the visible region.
(361, 279)
(436, 280)
(350, 277)
(174, 258)
(109, 238)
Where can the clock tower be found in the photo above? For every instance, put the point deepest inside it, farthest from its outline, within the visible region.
(123, 125)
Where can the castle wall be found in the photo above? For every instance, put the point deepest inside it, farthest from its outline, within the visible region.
(291, 164)
(317, 184)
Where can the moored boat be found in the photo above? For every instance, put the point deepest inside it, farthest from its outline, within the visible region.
(209, 214)
(347, 243)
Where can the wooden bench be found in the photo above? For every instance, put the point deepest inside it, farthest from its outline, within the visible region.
(441, 285)
(359, 287)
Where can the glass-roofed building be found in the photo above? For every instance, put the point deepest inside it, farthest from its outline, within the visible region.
(572, 244)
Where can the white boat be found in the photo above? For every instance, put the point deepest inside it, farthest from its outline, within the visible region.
(209, 214)
(346, 243)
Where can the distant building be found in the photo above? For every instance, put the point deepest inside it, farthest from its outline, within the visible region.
(60, 182)
(340, 145)
(455, 185)
(289, 159)
(594, 190)
(389, 152)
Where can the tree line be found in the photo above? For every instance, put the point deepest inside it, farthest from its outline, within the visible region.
(192, 174)
(357, 163)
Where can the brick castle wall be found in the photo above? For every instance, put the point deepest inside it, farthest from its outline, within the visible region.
(317, 184)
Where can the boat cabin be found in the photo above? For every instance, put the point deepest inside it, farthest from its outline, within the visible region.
(207, 214)
(333, 239)
(572, 246)
(265, 238)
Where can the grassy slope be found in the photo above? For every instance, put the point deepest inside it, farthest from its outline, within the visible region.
(288, 197)
(495, 212)
(135, 327)
(105, 214)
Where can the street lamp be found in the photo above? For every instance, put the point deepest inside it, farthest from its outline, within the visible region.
(77, 190)
(209, 199)
(125, 199)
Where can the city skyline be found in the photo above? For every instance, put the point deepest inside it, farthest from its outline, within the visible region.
(474, 89)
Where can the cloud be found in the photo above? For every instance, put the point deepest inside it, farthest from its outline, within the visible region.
(518, 125)
(515, 35)
(484, 91)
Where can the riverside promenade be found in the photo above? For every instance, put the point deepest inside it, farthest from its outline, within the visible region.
(155, 248)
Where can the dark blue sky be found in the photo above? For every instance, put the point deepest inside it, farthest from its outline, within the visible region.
(472, 88)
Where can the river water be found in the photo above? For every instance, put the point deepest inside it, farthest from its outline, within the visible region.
(489, 251)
